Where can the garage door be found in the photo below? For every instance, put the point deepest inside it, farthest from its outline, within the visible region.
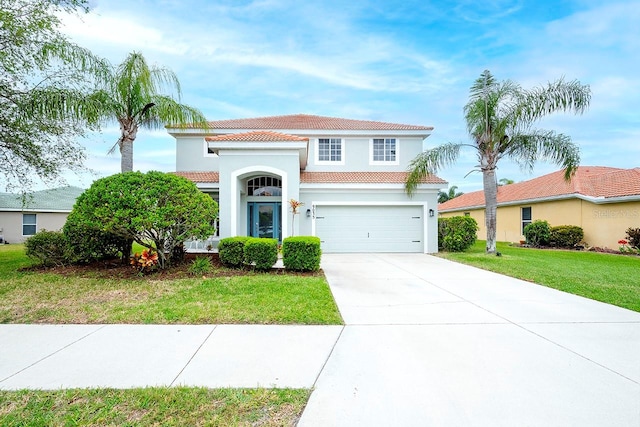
(370, 228)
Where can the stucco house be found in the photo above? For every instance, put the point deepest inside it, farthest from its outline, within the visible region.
(604, 201)
(41, 210)
(349, 175)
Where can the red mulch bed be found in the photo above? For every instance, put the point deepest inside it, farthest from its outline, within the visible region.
(114, 269)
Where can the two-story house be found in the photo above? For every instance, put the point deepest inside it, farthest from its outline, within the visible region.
(349, 175)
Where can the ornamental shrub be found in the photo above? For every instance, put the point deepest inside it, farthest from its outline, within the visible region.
(301, 253)
(633, 236)
(565, 236)
(231, 251)
(538, 233)
(200, 265)
(457, 234)
(261, 252)
(87, 243)
(155, 209)
(49, 248)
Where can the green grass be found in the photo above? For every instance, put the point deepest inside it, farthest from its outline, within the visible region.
(153, 406)
(45, 297)
(614, 279)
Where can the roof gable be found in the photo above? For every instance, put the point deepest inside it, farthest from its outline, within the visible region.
(588, 181)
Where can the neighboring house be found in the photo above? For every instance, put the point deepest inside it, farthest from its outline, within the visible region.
(349, 174)
(604, 201)
(41, 210)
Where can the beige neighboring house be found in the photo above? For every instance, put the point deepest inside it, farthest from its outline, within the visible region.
(604, 201)
(40, 210)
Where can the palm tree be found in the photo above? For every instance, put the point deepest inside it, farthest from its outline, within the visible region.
(131, 96)
(452, 194)
(500, 118)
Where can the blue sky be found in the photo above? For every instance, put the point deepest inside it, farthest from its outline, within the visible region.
(396, 61)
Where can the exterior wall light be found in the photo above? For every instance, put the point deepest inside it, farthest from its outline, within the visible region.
(308, 213)
(431, 213)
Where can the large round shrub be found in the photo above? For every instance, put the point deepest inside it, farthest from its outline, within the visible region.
(154, 209)
(87, 243)
(457, 233)
(538, 233)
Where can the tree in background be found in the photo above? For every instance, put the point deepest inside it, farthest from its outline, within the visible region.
(133, 96)
(43, 82)
(505, 181)
(156, 210)
(451, 194)
(500, 118)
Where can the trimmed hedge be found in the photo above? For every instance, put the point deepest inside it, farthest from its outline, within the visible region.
(457, 233)
(263, 253)
(89, 244)
(301, 253)
(538, 233)
(231, 251)
(48, 247)
(566, 236)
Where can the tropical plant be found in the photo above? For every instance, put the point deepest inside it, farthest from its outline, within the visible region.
(295, 205)
(156, 210)
(451, 194)
(500, 116)
(132, 96)
(43, 87)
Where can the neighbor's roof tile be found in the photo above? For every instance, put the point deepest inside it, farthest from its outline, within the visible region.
(257, 136)
(56, 199)
(307, 121)
(589, 181)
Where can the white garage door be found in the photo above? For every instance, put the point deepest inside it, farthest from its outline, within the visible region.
(370, 228)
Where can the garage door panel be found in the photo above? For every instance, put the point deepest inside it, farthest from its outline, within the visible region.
(370, 228)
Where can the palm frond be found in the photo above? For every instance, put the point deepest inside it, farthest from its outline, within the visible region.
(429, 162)
(557, 96)
(555, 148)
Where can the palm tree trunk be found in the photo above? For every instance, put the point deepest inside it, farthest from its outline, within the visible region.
(128, 132)
(491, 206)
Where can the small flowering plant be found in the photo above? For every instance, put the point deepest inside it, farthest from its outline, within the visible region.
(145, 261)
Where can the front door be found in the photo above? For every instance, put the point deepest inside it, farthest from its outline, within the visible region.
(264, 219)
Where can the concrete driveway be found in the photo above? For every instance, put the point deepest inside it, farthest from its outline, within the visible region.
(431, 342)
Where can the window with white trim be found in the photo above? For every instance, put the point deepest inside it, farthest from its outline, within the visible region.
(29, 224)
(330, 150)
(384, 150)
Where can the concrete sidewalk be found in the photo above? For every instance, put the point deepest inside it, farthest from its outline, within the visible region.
(426, 342)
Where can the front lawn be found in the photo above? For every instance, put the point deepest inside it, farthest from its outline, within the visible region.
(153, 406)
(41, 296)
(614, 279)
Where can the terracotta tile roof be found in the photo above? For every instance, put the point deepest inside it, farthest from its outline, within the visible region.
(362, 178)
(589, 181)
(327, 177)
(200, 177)
(257, 136)
(306, 121)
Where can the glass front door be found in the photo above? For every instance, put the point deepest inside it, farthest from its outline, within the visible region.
(264, 219)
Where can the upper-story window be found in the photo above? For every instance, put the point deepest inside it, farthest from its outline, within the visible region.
(384, 150)
(264, 186)
(330, 150)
